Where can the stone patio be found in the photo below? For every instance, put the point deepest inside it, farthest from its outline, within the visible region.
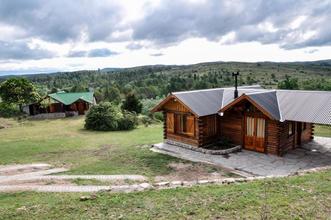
(315, 154)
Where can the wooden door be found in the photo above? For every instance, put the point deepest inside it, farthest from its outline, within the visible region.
(254, 133)
(170, 123)
(81, 108)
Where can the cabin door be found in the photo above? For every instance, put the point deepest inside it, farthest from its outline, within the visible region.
(254, 133)
(81, 108)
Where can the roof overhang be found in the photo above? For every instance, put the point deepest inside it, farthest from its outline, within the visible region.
(159, 107)
(247, 98)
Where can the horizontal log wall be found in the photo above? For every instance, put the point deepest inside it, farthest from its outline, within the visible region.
(208, 129)
(287, 142)
(307, 134)
(272, 137)
(231, 127)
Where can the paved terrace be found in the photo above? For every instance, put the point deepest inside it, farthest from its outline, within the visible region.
(315, 154)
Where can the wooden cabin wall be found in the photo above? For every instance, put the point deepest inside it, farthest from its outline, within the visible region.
(307, 134)
(176, 107)
(287, 142)
(208, 129)
(231, 127)
(272, 137)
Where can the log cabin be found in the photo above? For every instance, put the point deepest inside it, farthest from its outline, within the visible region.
(76, 103)
(262, 120)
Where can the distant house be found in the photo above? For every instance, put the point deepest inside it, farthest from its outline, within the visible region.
(262, 120)
(62, 104)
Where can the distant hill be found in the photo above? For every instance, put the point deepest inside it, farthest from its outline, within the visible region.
(158, 80)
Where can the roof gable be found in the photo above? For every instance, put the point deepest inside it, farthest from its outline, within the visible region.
(69, 98)
(268, 101)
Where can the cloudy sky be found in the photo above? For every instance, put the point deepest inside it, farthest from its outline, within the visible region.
(63, 35)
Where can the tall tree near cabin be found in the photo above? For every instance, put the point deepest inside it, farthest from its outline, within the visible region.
(132, 104)
(18, 91)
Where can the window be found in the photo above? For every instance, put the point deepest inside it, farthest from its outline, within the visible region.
(290, 128)
(185, 124)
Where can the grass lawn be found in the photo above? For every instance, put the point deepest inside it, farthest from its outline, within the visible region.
(303, 197)
(323, 130)
(64, 142)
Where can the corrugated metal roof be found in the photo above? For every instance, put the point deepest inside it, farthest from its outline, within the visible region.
(293, 105)
(306, 106)
(71, 97)
(202, 102)
(268, 101)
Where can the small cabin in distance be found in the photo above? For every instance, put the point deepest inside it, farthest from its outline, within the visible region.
(266, 121)
(62, 104)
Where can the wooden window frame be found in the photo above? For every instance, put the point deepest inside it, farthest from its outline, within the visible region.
(182, 129)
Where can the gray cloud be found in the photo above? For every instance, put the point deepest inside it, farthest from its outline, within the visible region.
(103, 52)
(79, 53)
(99, 52)
(157, 54)
(62, 20)
(170, 22)
(134, 46)
(174, 21)
(19, 50)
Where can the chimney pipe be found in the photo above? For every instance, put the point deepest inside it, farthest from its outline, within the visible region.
(236, 84)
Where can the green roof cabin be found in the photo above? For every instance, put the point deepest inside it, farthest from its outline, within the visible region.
(62, 104)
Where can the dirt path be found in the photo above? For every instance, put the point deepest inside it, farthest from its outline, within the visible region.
(36, 177)
(25, 180)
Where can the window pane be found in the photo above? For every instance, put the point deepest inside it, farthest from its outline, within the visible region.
(260, 127)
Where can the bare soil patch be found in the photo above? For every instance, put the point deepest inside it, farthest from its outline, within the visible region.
(12, 172)
(40, 182)
(193, 171)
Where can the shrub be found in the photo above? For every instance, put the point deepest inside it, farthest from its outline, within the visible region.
(9, 110)
(145, 120)
(103, 117)
(108, 117)
(128, 122)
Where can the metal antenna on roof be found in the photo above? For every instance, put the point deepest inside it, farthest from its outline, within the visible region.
(236, 83)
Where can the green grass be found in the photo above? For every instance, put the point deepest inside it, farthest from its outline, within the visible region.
(301, 197)
(323, 130)
(64, 142)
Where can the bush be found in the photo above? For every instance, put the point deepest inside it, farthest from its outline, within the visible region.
(103, 117)
(145, 120)
(128, 122)
(108, 117)
(9, 110)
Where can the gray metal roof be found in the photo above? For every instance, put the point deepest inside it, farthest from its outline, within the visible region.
(268, 101)
(293, 105)
(202, 102)
(306, 106)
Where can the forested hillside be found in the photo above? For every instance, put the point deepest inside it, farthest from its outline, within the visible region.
(152, 81)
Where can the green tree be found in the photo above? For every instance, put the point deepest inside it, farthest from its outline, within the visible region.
(288, 83)
(78, 88)
(132, 104)
(18, 91)
(112, 94)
